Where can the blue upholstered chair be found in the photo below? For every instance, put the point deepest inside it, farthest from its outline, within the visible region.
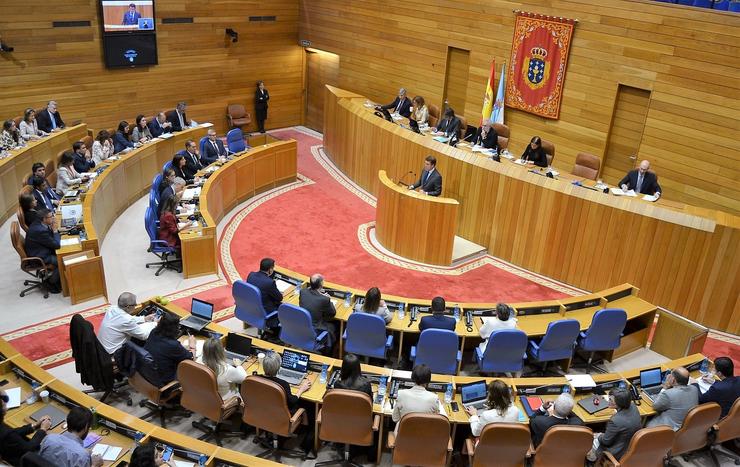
(439, 350)
(167, 165)
(235, 140)
(703, 3)
(686, 2)
(249, 308)
(557, 344)
(604, 334)
(722, 5)
(160, 248)
(505, 352)
(365, 335)
(734, 6)
(297, 330)
(202, 145)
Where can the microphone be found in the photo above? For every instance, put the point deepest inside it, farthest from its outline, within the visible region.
(454, 141)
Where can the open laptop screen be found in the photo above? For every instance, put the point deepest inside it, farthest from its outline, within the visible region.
(295, 361)
(651, 377)
(238, 344)
(202, 309)
(473, 392)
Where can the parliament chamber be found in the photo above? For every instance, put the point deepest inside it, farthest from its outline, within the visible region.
(516, 292)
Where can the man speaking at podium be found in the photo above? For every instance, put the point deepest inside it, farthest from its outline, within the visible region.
(430, 181)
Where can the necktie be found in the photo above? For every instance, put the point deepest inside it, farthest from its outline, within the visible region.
(182, 121)
(53, 121)
(639, 183)
(398, 107)
(426, 177)
(215, 147)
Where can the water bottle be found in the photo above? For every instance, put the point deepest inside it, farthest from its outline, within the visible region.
(457, 313)
(203, 459)
(94, 425)
(34, 396)
(448, 393)
(704, 368)
(138, 436)
(401, 311)
(297, 290)
(347, 299)
(324, 371)
(382, 383)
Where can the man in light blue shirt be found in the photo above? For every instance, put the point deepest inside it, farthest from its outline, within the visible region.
(65, 450)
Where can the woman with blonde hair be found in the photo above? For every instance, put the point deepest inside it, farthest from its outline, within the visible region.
(419, 112)
(227, 375)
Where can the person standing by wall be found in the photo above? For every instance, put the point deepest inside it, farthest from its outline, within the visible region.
(261, 96)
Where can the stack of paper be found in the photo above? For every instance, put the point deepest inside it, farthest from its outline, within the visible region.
(282, 285)
(69, 241)
(651, 198)
(14, 396)
(108, 453)
(581, 381)
(620, 192)
(520, 162)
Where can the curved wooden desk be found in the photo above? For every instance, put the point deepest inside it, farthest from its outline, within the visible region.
(413, 225)
(550, 226)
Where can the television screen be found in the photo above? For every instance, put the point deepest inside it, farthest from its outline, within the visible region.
(128, 15)
(130, 50)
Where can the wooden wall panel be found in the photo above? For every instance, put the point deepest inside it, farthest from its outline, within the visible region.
(686, 56)
(196, 62)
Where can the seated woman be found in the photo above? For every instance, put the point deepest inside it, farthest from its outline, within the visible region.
(374, 305)
(227, 375)
(102, 147)
(146, 455)
(419, 111)
(67, 176)
(534, 153)
(178, 165)
(351, 377)
(271, 365)
(28, 204)
(10, 138)
(168, 228)
(141, 133)
(500, 405)
(120, 139)
(449, 125)
(14, 442)
(502, 320)
(29, 128)
(166, 350)
(486, 136)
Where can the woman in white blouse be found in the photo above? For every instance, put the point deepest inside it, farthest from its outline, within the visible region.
(420, 113)
(227, 375)
(29, 128)
(102, 147)
(502, 320)
(9, 138)
(141, 133)
(67, 176)
(500, 405)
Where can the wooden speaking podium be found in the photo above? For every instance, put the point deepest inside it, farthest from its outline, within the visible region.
(414, 225)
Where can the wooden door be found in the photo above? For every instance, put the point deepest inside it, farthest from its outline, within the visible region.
(322, 68)
(456, 79)
(625, 134)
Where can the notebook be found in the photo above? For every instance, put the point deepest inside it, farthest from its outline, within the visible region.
(107, 452)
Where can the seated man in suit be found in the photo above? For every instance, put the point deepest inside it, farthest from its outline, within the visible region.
(430, 180)
(82, 158)
(214, 148)
(724, 391)
(271, 296)
(486, 136)
(550, 414)
(42, 241)
(168, 179)
(175, 189)
(437, 320)
(15, 442)
(675, 400)
(178, 119)
(400, 105)
(49, 119)
(641, 180)
(40, 192)
(192, 159)
(417, 399)
(449, 125)
(319, 304)
(619, 429)
(160, 125)
(131, 17)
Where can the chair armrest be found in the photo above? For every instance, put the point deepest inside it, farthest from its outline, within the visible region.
(344, 335)
(531, 451)
(321, 336)
(318, 417)
(608, 459)
(582, 335)
(449, 445)
(296, 419)
(413, 352)
(459, 356)
(478, 355)
(271, 315)
(389, 341)
(32, 262)
(391, 439)
(469, 449)
(170, 386)
(534, 346)
(159, 243)
(376, 422)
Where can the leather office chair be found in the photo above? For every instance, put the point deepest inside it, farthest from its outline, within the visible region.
(462, 128)
(33, 459)
(235, 140)
(505, 352)
(503, 133)
(557, 344)
(160, 248)
(266, 408)
(31, 265)
(200, 395)
(346, 417)
(21, 219)
(17, 121)
(587, 166)
(296, 329)
(202, 145)
(423, 439)
(237, 116)
(249, 308)
(365, 335)
(433, 115)
(51, 171)
(92, 362)
(727, 429)
(549, 149)
(647, 448)
(144, 370)
(499, 445)
(604, 333)
(88, 142)
(167, 165)
(722, 5)
(439, 349)
(693, 434)
(551, 452)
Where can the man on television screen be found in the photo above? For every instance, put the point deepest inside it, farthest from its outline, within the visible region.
(131, 17)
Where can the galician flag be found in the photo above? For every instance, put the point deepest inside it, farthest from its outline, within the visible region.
(498, 107)
(488, 96)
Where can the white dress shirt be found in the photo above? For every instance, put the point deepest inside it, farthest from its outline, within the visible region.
(478, 422)
(494, 324)
(117, 326)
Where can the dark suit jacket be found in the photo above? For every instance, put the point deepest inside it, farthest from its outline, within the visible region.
(121, 142)
(260, 99)
(320, 307)
(172, 118)
(433, 184)
(128, 20)
(271, 296)
(14, 442)
(361, 384)
(404, 110)
(42, 201)
(192, 166)
(81, 164)
(489, 142)
(649, 182)
(210, 154)
(619, 431)
(49, 191)
(722, 392)
(43, 120)
(167, 354)
(449, 126)
(537, 156)
(42, 242)
(434, 322)
(540, 422)
(155, 128)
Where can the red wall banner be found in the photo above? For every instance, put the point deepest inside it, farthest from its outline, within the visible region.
(539, 57)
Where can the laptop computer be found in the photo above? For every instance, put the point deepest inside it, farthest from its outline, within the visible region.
(590, 405)
(651, 382)
(474, 394)
(238, 347)
(56, 415)
(414, 125)
(293, 367)
(201, 313)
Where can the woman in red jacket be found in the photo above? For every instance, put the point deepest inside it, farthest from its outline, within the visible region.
(168, 223)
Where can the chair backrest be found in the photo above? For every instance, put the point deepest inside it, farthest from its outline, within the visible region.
(734, 6)
(347, 417)
(503, 133)
(156, 181)
(433, 115)
(550, 452)
(248, 301)
(560, 339)
(648, 447)
(16, 238)
(33, 459)
(265, 405)
(87, 141)
(236, 111)
(722, 5)
(504, 351)
(296, 328)
(729, 427)
(704, 3)
(437, 349)
(92, 362)
(502, 445)
(365, 334)
(605, 330)
(51, 172)
(462, 128)
(199, 390)
(587, 166)
(21, 219)
(422, 440)
(25, 190)
(150, 223)
(549, 149)
(145, 371)
(235, 140)
(202, 144)
(167, 165)
(693, 433)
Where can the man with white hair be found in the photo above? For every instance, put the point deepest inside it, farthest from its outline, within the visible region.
(550, 414)
(400, 105)
(119, 324)
(642, 180)
(49, 120)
